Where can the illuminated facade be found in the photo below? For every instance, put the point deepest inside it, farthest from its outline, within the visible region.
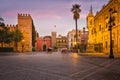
(61, 42)
(72, 38)
(26, 26)
(43, 41)
(82, 38)
(99, 35)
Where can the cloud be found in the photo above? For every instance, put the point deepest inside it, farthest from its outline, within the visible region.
(46, 14)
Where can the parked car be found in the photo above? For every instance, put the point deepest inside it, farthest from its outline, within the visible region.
(64, 50)
(49, 49)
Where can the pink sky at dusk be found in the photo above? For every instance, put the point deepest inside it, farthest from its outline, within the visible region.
(48, 13)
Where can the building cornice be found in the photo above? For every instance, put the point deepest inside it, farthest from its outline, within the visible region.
(105, 8)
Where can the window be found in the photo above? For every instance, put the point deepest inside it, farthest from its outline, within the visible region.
(106, 25)
(106, 44)
(60, 41)
(58, 45)
(94, 30)
(57, 40)
(99, 27)
(90, 22)
(65, 41)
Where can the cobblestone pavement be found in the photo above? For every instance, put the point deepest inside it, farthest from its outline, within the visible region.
(58, 66)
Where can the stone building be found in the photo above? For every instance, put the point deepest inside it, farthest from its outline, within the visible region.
(72, 38)
(82, 38)
(53, 39)
(27, 28)
(99, 34)
(48, 41)
(9, 28)
(61, 42)
(43, 41)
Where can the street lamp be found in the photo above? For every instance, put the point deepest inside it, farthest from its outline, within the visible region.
(111, 23)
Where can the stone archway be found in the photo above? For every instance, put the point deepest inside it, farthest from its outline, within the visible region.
(44, 47)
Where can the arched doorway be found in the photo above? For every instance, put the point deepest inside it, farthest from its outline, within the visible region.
(44, 47)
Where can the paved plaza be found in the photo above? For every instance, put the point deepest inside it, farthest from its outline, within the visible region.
(57, 66)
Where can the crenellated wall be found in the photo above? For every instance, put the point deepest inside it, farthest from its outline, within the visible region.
(25, 25)
(11, 27)
(24, 15)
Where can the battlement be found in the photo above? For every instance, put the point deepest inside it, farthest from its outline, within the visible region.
(10, 25)
(23, 15)
(27, 16)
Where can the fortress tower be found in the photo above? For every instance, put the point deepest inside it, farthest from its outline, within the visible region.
(53, 39)
(25, 24)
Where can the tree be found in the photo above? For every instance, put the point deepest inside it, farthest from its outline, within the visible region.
(76, 10)
(3, 34)
(33, 35)
(1, 37)
(17, 37)
(8, 37)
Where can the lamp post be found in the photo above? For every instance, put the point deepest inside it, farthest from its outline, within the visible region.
(111, 24)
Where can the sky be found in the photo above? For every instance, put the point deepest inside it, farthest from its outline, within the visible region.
(49, 15)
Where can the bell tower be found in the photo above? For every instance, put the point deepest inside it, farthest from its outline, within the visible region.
(90, 26)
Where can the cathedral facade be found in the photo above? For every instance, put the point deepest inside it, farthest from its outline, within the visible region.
(98, 27)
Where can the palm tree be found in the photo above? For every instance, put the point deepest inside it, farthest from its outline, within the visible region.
(76, 10)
